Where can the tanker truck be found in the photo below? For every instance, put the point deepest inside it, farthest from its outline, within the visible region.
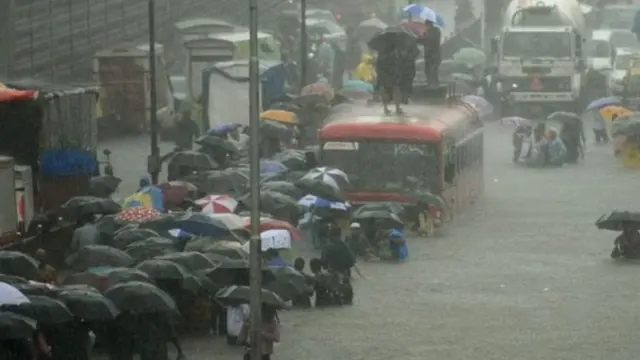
(540, 59)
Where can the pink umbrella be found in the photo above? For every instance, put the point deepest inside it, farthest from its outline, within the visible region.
(515, 121)
(217, 204)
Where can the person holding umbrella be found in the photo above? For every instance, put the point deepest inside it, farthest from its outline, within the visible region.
(627, 244)
(270, 332)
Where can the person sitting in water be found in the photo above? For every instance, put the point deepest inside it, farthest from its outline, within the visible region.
(557, 150)
(323, 294)
(303, 300)
(627, 244)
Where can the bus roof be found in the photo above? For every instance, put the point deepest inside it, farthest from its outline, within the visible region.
(185, 24)
(421, 123)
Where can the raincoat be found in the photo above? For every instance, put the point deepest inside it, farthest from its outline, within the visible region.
(365, 71)
(557, 152)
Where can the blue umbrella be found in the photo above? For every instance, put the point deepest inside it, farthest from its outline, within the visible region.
(605, 101)
(359, 85)
(202, 225)
(321, 203)
(271, 167)
(223, 129)
(424, 13)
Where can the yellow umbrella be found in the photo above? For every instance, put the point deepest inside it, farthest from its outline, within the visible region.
(608, 112)
(281, 116)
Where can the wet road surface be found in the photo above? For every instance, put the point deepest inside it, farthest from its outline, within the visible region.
(523, 274)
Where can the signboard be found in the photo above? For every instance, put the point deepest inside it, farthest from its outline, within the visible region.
(336, 145)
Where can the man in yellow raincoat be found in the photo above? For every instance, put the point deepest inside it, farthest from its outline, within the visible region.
(365, 71)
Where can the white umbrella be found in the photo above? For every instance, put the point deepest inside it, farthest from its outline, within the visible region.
(9, 295)
(275, 239)
(331, 176)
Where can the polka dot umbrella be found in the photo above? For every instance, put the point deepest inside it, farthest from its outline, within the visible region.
(138, 214)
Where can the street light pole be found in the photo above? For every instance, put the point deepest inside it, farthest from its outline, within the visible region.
(255, 260)
(153, 161)
(304, 48)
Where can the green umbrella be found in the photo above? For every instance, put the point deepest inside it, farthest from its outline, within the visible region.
(472, 57)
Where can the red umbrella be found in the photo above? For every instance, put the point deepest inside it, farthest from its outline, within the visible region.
(318, 88)
(273, 224)
(138, 214)
(8, 94)
(175, 192)
(217, 204)
(418, 29)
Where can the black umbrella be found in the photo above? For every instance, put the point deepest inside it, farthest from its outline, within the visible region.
(18, 264)
(562, 116)
(293, 159)
(321, 189)
(381, 206)
(34, 288)
(384, 215)
(288, 282)
(272, 202)
(98, 256)
(242, 294)
(369, 29)
(140, 298)
(428, 198)
(108, 226)
(89, 305)
(275, 130)
(216, 143)
(232, 250)
(76, 287)
(619, 220)
(190, 260)
(390, 38)
(12, 279)
(163, 269)
(43, 309)
(284, 187)
(228, 181)
(103, 186)
(88, 205)
(122, 274)
(195, 160)
(14, 326)
(150, 248)
(125, 237)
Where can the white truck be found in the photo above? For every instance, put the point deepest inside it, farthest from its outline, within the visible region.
(541, 64)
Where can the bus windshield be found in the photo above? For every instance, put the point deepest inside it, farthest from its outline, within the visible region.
(384, 165)
(537, 44)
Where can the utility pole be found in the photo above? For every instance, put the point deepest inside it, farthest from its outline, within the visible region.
(153, 161)
(255, 260)
(304, 47)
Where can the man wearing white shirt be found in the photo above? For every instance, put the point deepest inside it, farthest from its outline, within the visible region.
(236, 316)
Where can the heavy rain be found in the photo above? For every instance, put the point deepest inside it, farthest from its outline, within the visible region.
(439, 179)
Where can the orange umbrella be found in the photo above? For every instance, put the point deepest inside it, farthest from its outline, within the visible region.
(609, 112)
(9, 94)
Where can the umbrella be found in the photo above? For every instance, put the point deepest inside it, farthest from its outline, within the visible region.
(230, 249)
(228, 181)
(563, 116)
(318, 88)
(619, 220)
(613, 111)
(331, 176)
(381, 206)
(103, 186)
(14, 326)
(18, 264)
(125, 237)
(36, 288)
(97, 256)
(267, 223)
(224, 129)
(122, 274)
(176, 192)
(216, 204)
(273, 202)
(313, 99)
(369, 28)
(471, 57)
(271, 167)
(43, 309)
(241, 294)
(480, 104)
(281, 116)
(199, 243)
(12, 279)
(138, 214)
(9, 295)
(428, 198)
(423, 13)
(140, 298)
(392, 37)
(75, 287)
(355, 94)
(275, 239)
(190, 260)
(149, 197)
(516, 122)
(320, 188)
(276, 130)
(359, 85)
(202, 225)
(230, 221)
(627, 125)
(194, 160)
(292, 159)
(88, 305)
(603, 102)
(283, 187)
(288, 282)
(416, 29)
(88, 205)
(217, 143)
(150, 248)
(378, 215)
(163, 269)
(323, 207)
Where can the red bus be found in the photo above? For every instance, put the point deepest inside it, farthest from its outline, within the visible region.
(432, 151)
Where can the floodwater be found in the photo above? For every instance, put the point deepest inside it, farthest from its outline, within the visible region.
(523, 274)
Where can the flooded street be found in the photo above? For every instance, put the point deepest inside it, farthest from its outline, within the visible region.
(523, 274)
